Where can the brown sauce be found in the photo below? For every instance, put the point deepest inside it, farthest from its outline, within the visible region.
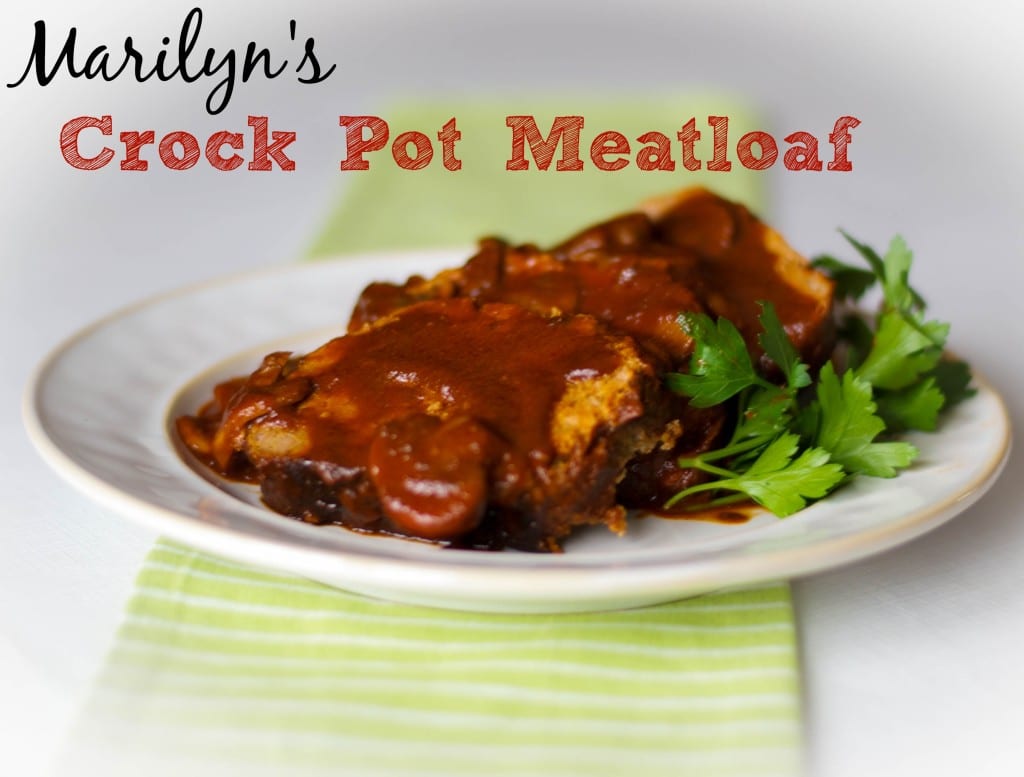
(732, 515)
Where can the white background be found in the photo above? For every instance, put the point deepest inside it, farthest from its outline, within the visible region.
(913, 660)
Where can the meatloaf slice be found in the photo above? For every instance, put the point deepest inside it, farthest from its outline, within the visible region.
(475, 425)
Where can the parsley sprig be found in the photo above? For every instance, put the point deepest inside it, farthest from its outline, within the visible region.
(797, 441)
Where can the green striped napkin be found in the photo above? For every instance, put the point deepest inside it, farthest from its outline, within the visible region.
(221, 669)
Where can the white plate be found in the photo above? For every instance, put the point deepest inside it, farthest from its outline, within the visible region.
(100, 407)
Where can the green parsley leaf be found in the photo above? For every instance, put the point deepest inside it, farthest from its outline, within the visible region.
(896, 265)
(851, 282)
(892, 271)
(855, 332)
(779, 482)
(848, 426)
(898, 293)
(868, 254)
(901, 352)
(765, 413)
(720, 366)
(953, 379)
(779, 347)
(807, 422)
(915, 407)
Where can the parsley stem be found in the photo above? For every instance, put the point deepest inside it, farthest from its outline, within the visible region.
(737, 429)
(711, 486)
(696, 462)
(913, 321)
(722, 501)
(711, 469)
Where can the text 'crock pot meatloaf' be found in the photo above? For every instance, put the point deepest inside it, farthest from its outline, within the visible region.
(479, 425)
(506, 401)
